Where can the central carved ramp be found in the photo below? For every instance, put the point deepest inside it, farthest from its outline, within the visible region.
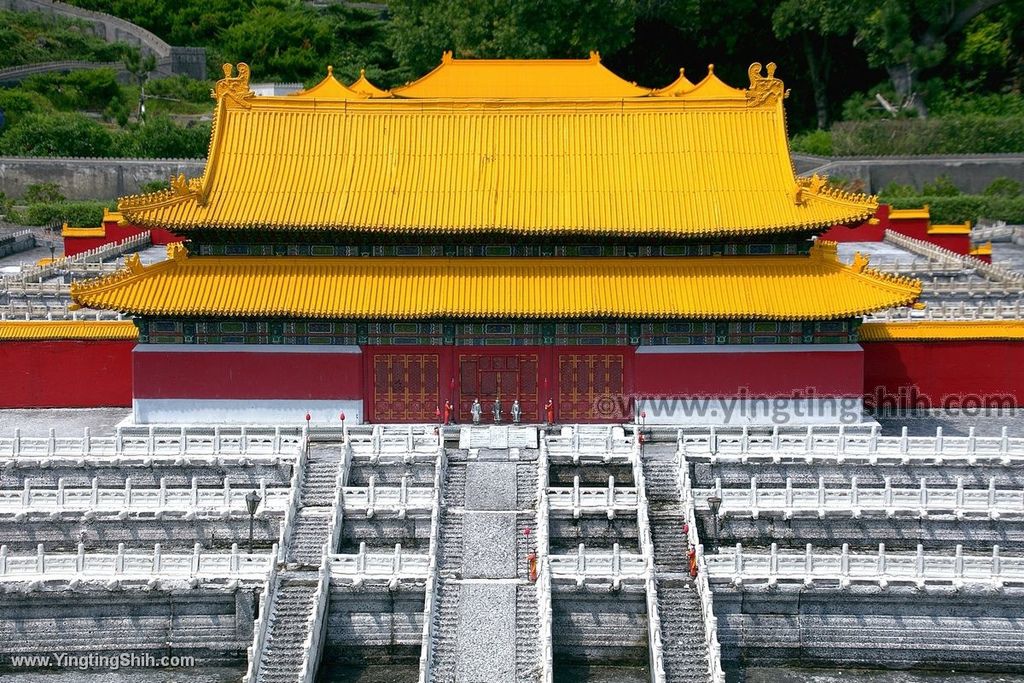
(486, 602)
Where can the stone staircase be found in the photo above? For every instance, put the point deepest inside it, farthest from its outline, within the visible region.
(312, 524)
(446, 619)
(449, 566)
(682, 624)
(528, 664)
(283, 650)
(293, 610)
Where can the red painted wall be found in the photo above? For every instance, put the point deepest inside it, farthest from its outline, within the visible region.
(65, 374)
(936, 374)
(865, 232)
(749, 374)
(116, 233)
(210, 374)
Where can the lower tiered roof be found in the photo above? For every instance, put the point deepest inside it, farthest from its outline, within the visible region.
(757, 287)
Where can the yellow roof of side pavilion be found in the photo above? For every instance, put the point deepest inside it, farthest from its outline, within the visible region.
(743, 287)
(527, 148)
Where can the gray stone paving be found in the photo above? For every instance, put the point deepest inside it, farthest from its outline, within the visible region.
(491, 486)
(1008, 255)
(65, 421)
(486, 633)
(953, 423)
(489, 545)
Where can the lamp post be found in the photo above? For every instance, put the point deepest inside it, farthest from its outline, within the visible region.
(341, 416)
(715, 504)
(252, 501)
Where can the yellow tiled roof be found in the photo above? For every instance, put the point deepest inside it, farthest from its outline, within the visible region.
(330, 88)
(943, 330)
(363, 86)
(68, 231)
(777, 287)
(957, 229)
(40, 330)
(984, 249)
(501, 79)
(905, 214)
(711, 161)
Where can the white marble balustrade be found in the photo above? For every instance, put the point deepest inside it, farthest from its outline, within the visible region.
(398, 500)
(921, 501)
(133, 565)
(365, 565)
(609, 500)
(843, 568)
(586, 564)
(130, 444)
(847, 444)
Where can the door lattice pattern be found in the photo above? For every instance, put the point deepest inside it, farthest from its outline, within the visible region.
(405, 387)
(591, 388)
(507, 377)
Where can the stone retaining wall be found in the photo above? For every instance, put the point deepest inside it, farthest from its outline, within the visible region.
(869, 627)
(211, 626)
(599, 626)
(88, 178)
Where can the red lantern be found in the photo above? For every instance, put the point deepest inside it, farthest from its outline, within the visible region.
(307, 417)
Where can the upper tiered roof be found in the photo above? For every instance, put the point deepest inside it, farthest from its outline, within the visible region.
(531, 148)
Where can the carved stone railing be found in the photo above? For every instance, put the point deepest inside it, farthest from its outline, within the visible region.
(922, 501)
(312, 648)
(655, 646)
(590, 564)
(430, 590)
(609, 500)
(145, 445)
(59, 310)
(262, 623)
(127, 501)
(399, 501)
(928, 250)
(998, 310)
(847, 444)
(543, 549)
(716, 674)
(126, 566)
(883, 568)
(379, 566)
(96, 255)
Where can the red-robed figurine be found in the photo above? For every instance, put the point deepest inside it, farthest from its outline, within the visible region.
(447, 412)
(549, 410)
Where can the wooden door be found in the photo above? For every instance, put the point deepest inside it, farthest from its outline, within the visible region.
(405, 387)
(591, 388)
(508, 376)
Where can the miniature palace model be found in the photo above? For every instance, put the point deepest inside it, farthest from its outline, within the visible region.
(512, 230)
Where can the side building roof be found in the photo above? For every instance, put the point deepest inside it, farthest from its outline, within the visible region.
(519, 148)
(813, 287)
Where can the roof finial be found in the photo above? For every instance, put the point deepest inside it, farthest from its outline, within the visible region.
(330, 70)
(711, 69)
(362, 73)
(595, 56)
(446, 56)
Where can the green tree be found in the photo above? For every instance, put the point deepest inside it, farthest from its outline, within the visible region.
(422, 29)
(906, 37)
(817, 25)
(161, 138)
(62, 134)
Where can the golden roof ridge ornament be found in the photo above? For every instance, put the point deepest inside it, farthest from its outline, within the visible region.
(764, 90)
(235, 88)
